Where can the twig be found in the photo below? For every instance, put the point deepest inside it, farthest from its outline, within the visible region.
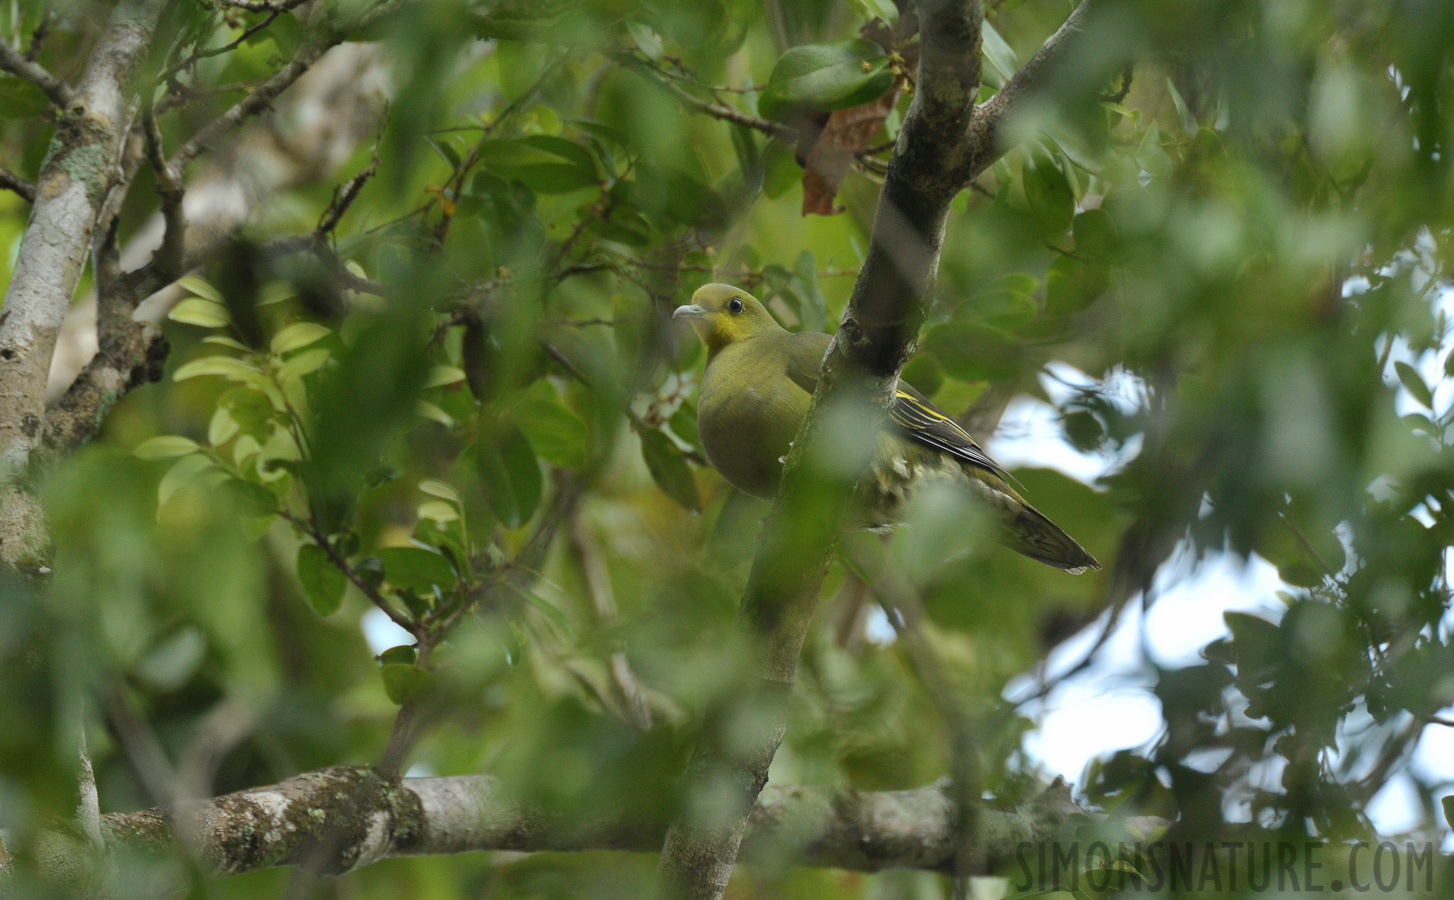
(344, 195)
(397, 749)
(37, 38)
(603, 602)
(261, 97)
(455, 182)
(88, 804)
(12, 182)
(166, 263)
(273, 11)
(27, 69)
(1307, 545)
(308, 527)
(984, 127)
(715, 110)
(1125, 87)
(148, 759)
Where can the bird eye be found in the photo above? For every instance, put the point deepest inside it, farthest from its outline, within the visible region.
(734, 305)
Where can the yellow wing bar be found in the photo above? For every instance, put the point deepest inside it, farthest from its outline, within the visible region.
(928, 425)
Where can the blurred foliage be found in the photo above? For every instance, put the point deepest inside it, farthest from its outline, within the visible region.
(475, 399)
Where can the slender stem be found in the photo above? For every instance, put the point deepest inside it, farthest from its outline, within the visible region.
(12, 182)
(23, 67)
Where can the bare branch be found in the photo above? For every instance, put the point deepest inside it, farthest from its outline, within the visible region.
(27, 69)
(344, 195)
(341, 564)
(12, 182)
(339, 819)
(1033, 75)
(260, 99)
(273, 11)
(631, 694)
(715, 110)
(167, 263)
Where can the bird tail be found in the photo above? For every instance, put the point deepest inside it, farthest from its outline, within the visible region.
(1029, 532)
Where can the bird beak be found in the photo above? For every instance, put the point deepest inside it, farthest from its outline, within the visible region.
(694, 311)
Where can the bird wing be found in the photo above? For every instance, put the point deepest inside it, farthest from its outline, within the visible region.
(912, 412)
(926, 423)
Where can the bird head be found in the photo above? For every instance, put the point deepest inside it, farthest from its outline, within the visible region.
(722, 314)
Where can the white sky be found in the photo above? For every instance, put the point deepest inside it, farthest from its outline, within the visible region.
(1186, 617)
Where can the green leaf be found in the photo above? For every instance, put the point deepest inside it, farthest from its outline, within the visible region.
(438, 511)
(647, 41)
(401, 655)
(543, 163)
(305, 363)
(669, 469)
(404, 683)
(551, 611)
(250, 409)
(749, 157)
(323, 583)
(417, 569)
(298, 335)
(275, 292)
(1414, 383)
(879, 9)
(187, 469)
(1301, 573)
(436, 488)
(558, 435)
(226, 366)
(439, 376)
(1448, 804)
(1048, 190)
(252, 497)
(432, 411)
(165, 446)
(222, 428)
(223, 340)
(1255, 641)
(510, 474)
(1001, 57)
(194, 285)
(1095, 236)
(1005, 301)
(1073, 284)
(973, 351)
(197, 311)
(828, 76)
(683, 424)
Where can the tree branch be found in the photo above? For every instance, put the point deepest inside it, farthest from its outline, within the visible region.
(715, 110)
(167, 264)
(260, 99)
(859, 373)
(339, 819)
(1032, 77)
(22, 67)
(12, 182)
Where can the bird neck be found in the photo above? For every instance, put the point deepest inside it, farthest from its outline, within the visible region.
(728, 333)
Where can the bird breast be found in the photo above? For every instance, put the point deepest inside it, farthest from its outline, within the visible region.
(748, 413)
